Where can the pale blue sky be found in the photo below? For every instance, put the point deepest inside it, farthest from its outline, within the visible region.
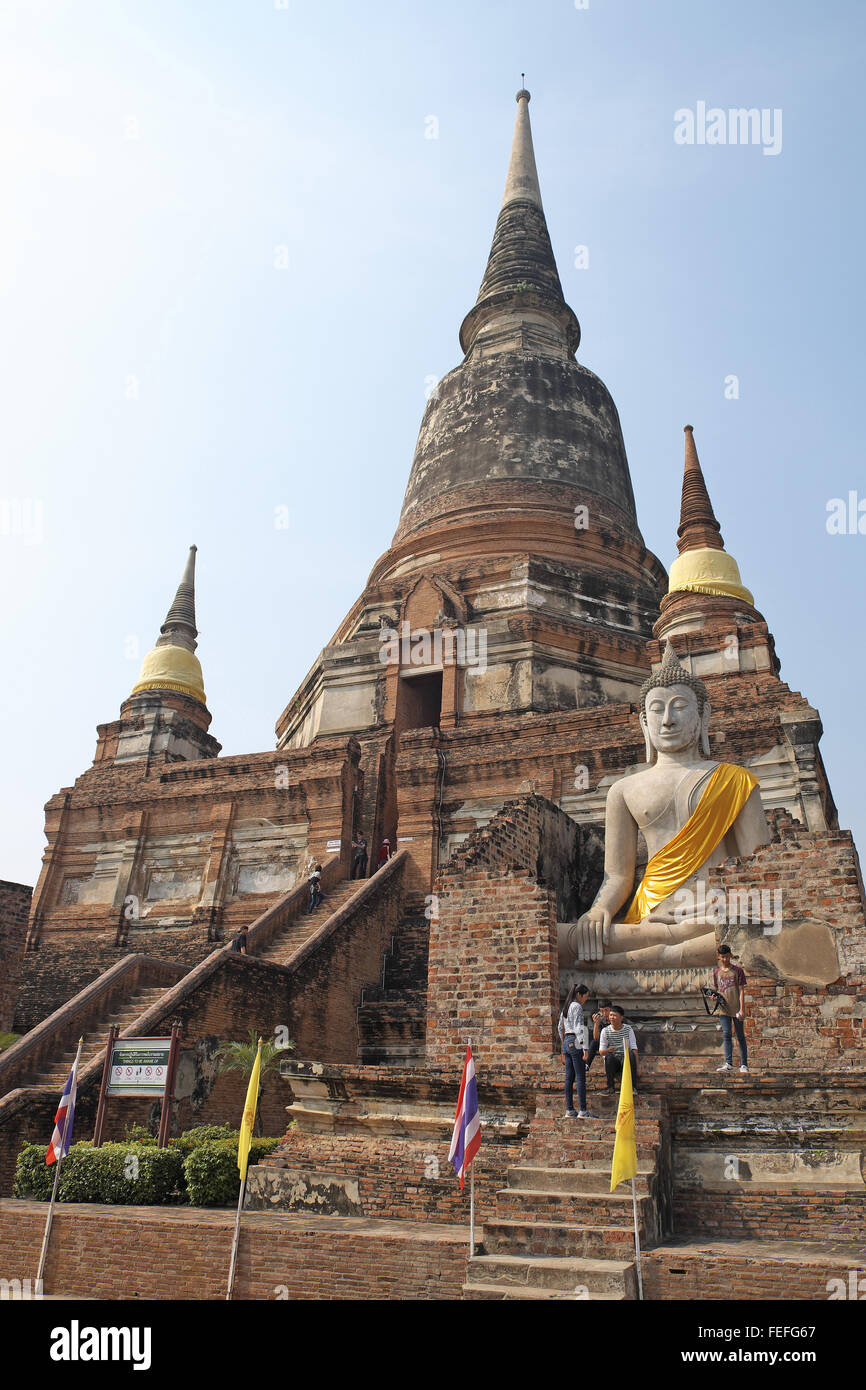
(153, 157)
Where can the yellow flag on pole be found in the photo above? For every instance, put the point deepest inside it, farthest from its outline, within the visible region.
(249, 1118)
(625, 1148)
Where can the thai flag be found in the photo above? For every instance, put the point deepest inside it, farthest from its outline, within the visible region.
(67, 1105)
(466, 1139)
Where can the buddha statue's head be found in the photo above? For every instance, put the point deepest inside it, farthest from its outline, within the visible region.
(675, 711)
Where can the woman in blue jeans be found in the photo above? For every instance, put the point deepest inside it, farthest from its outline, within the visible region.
(573, 1035)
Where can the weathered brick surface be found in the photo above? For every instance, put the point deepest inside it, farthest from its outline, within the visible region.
(749, 1271)
(182, 1253)
(14, 912)
(493, 972)
(818, 875)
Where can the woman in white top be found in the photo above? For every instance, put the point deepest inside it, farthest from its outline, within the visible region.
(573, 1035)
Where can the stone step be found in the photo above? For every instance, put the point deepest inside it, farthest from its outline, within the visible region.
(476, 1293)
(392, 1054)
(589, 1153)
(568, 1276)
(548, 1204)
(577, 1181)
(510, 1236)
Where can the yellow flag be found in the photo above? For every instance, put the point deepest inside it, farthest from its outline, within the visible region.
(249, 1118)
(625, 1148)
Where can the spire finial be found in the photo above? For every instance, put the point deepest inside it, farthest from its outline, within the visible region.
(698, 525)
(522, 180)
(179, 627)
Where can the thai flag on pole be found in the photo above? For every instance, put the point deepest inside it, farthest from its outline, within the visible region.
(466, 1139)
(61, 1127)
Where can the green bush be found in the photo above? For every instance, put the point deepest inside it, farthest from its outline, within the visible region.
(203, 1134)
(211, 1170)
(124, 1174)
(33, 1177)
(196, 1168)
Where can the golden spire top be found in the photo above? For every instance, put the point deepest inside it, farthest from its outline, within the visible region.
(703, 565)
(172, 665)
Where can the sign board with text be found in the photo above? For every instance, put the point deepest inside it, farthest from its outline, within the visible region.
(139, 1067)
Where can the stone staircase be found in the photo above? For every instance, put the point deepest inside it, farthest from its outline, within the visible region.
(94, 1038)
(558, 1232)
(287, 942)
(392, 1017)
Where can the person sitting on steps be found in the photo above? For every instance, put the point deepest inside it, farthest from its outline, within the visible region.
(615, 1038)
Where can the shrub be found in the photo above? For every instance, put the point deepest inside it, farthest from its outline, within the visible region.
(211, 1170)
(203, 1134)
(33, 1177)
(124, 1174)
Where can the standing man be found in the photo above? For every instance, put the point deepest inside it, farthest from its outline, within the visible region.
(730, 982)
(239, 942)
(599, 1020)
(359, 857)
(614, 1040)
(573, 1036)
(384, 852)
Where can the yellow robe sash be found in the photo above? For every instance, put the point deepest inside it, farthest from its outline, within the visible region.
(723, 799)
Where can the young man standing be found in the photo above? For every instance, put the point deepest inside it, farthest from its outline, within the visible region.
(614, 1040)
(730, 982)
(599, 1020)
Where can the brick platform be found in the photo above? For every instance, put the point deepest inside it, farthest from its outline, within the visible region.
(183, 1253)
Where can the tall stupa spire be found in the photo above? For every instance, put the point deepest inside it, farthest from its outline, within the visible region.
(698, 525)
(522, 179)
(521, 281)
(179, 628)
(703, 565)
(172, 664)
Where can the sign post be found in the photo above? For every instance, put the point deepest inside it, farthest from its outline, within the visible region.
(103, 1087)
(168, 1093)
(139, 1067)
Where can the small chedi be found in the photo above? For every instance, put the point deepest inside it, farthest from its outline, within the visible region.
(693, 814)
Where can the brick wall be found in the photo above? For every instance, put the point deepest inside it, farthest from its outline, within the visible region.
(818, 875)
(14, 911)
(713, 1272)
(182, 1253)
(493, 972)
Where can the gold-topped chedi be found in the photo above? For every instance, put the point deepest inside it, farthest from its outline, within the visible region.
(171, 668)
(173, 664)
(706, 571)
(703, 565)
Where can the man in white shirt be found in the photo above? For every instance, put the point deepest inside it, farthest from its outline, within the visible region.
(615, 1038)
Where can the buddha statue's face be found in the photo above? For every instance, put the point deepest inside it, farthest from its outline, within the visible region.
(671, 719)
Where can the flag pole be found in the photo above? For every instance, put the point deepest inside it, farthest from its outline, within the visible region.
(67, 1117)
(471, 1195)
(637, 1242)
(244, 1140)
(235, 1239)
(472, 1211)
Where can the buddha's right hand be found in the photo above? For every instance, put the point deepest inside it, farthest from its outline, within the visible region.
(592, 933)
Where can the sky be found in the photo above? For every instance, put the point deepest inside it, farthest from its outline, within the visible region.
(236, 244)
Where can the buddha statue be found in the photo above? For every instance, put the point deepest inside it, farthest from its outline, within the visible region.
(693, 813)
